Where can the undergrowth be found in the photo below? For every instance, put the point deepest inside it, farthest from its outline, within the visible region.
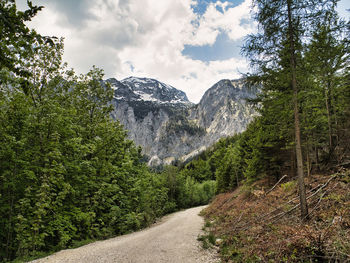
(256, 225)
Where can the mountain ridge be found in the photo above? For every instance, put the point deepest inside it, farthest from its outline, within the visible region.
(147, 89)
(169, 127)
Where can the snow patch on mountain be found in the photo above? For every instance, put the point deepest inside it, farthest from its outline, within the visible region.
(169, 127)
(146, 89)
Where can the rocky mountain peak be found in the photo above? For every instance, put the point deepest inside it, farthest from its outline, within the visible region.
(161, 119)
(147, 89)
(225, 88)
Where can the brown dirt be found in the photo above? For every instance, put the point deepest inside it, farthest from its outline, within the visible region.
(256, 226)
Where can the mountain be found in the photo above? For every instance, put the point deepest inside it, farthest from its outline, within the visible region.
(145, 89)
(169, 127)
(223, 109)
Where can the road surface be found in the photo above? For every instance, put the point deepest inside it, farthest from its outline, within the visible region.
(173, 239)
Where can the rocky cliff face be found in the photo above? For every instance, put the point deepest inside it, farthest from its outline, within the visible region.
(168, 127)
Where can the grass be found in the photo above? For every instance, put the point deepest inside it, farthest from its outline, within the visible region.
(208, 240)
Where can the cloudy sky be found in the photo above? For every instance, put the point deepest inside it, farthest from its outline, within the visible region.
(189, 44)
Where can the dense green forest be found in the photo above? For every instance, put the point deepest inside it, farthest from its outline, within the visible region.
(284, 182)
(68, 173)
(322, 69)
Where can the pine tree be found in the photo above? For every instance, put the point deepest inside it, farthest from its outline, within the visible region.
(283, 26)
(326, 58)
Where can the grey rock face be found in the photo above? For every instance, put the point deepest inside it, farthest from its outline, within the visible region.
(160, 118)
(223, 110)
(144, 89)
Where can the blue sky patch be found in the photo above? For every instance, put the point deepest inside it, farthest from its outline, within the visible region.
(219, 8)
(223, 48)
(201, 6)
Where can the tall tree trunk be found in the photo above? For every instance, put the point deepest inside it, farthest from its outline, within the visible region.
(308, 160)
(236, 179)
(302, 192)
(327, 99)
(316, 158)
(292, 161)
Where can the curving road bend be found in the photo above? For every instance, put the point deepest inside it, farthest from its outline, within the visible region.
(173, 240)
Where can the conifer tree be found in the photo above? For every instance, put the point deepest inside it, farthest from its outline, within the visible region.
(326, 58)
(283, 26)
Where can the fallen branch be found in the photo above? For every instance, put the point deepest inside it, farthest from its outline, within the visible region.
(343, 164)
(281, 214)
(284, 176)
(317, 204)
(323, 186)
(294, 207)
(288, 202)
(237, 221)
(227, 200)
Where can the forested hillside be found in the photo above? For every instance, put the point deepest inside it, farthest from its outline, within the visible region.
(69, 175)
(292, 162)
(268, 147)
(67, 172)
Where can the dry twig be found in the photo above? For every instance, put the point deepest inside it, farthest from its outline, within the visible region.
(284, 176)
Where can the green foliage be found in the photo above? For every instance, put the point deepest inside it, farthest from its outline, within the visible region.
(289, 186)
(179, 124)
(185, 191)
(266, 147)
(247, 156)
(16, 39)
(67, 171)
(69, 174)
(208, 240)
(198, 169)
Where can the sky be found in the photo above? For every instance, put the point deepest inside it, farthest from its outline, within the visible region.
(189, 44)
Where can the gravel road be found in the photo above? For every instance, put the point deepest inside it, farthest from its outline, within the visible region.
(173, 239)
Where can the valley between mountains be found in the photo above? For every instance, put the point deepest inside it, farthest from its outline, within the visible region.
(89, 165)
(169, 127)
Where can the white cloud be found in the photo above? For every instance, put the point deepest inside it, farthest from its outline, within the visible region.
(207, 75)
(230, 21)
(150, 36)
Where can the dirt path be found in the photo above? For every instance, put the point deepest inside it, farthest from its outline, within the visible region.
(173, 240)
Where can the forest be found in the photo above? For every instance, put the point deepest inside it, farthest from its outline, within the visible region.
(285, 180)
(312, 49)
(68, 173)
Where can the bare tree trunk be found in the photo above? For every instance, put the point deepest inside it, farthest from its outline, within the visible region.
(316, 158)
(308, 157)
(327, 98)
(308, 160)
(302, 192)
